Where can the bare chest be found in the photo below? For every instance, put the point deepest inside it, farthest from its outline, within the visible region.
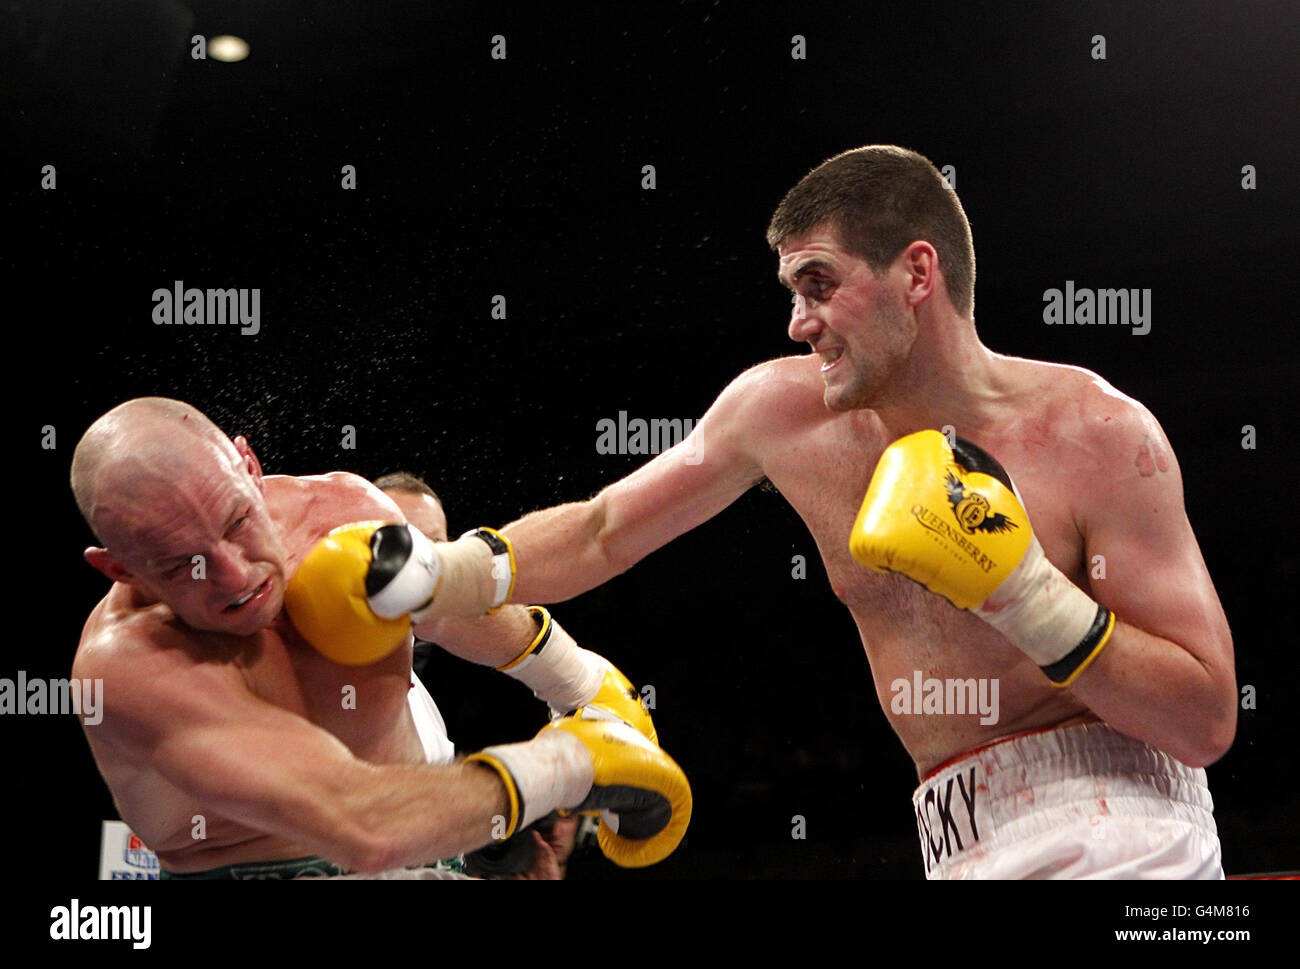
(906, 630)
(825, 475)
(364, 706)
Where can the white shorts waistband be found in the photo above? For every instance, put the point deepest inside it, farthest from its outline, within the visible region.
(1015, 790)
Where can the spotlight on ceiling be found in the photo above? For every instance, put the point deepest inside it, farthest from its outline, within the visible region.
(227, 48)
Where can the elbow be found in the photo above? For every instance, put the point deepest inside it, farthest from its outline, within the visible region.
(369, 845)
(372, 857)
(1220, 739)
(613, 563)
(1213, 737)
(327, 829)
(346, 832)
(368, 852)
(1208, 717)
(1203, 755)
(604, 540)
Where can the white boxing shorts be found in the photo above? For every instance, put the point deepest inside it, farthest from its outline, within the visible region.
(1083, 801)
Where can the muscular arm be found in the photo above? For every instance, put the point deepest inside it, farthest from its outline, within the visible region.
(1166, 676)
(566, 550)
(492, 640)
(199, 727)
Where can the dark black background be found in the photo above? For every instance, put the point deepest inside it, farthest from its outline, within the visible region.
(522, 178)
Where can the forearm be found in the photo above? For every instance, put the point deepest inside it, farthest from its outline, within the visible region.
(1155, 690)
(392, 816)
(492, 640)
(560, 553)
(529, 645)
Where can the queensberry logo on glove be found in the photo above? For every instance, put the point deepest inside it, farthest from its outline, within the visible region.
(973, 511)
(973, 530)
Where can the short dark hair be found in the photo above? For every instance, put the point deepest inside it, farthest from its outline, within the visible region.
(405, 481)
(880, 199)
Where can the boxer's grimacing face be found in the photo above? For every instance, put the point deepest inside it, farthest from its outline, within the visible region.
(217, 511)
(856, 321)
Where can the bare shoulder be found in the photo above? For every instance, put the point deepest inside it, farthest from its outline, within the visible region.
(128, 641)
(339, 495)
(782, 392)
(115, 634)
(1115, 435)
(149, 665)
(356, 490)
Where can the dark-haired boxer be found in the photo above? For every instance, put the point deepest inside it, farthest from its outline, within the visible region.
(1114, 657)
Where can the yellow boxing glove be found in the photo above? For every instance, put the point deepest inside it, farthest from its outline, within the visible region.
(598, 766)
(951, 519)
(328, 603)
(360, 587)
(618, 699)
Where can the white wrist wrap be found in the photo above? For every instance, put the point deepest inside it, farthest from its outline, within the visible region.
(415, 582)
(503, 563)
(559, 671)
(456, 575)
(554, 770)
(1039, 610)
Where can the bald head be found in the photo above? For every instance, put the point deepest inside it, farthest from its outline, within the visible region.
(182, 513)
(134, 450)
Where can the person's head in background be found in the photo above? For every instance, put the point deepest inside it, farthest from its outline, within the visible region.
(418, 502)
(550, 844)
(423, 510)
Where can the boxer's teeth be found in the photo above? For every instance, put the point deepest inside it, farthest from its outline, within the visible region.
(239, 602)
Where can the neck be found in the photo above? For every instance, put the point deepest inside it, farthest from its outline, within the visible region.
(948, 378)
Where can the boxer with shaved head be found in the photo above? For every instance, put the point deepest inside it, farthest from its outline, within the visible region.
(237, 746)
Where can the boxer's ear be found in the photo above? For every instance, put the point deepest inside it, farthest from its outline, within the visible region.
(920, 262)
(103, 560)
(251, 463)
(439, 533)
